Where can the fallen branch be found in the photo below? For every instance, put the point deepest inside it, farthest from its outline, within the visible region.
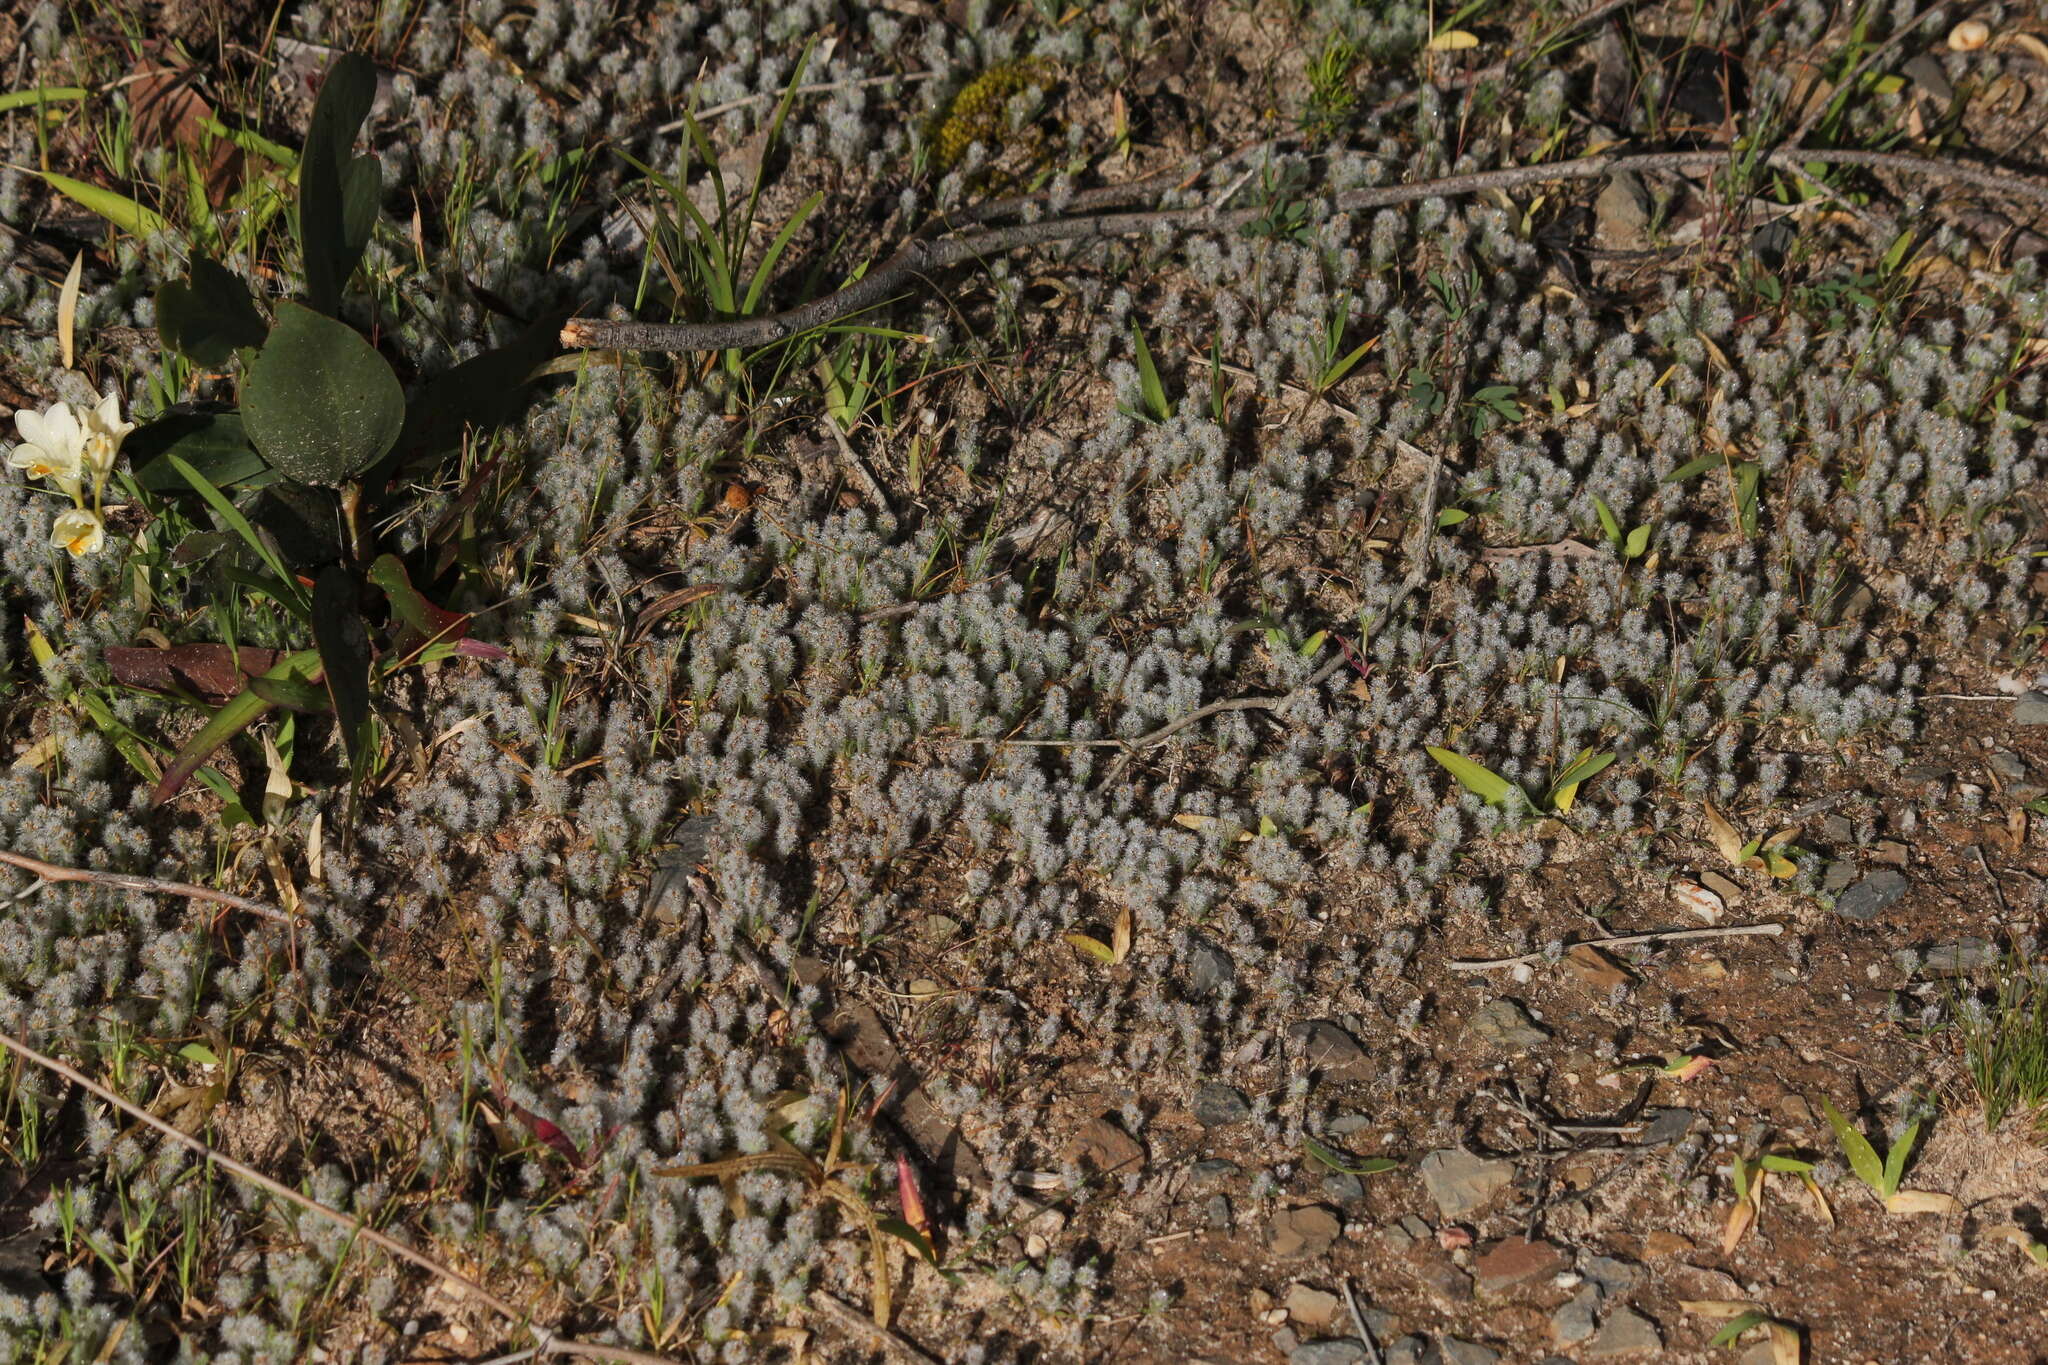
(860, 1325)
(549, 1344)
(1623, 941)
(924, 255)
(51, 872)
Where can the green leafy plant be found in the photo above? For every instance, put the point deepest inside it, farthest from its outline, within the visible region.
(2005, 1043)
(1490, 787)
(1884, 1174)
(1628, 547)
(1333, 362)
(1332, 89)
(1151, 391)
(1493, 406)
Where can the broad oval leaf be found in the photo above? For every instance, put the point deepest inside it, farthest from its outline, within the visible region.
(208, 316)
(338, 191)
(214, 443)
(320, 403)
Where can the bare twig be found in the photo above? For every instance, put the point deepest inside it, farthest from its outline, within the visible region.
(1623, 941)
(819, 88)
(51, 872)
(549, 1344)
(1569, 549)
(1372, 1348)
(860, 1324)
(923, 255)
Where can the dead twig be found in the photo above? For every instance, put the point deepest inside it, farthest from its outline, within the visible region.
(1372, 1348)
(549, 1344)
(924, 255)
(819, 88)
(1569, 549)
(860, 1324)
(124, 881)
(1623, 941)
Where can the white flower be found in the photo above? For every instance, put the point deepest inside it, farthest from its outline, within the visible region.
(79, 531)
(53, 446)
(104, 431)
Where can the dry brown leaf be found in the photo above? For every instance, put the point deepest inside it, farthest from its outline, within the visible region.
(67, 312)
(1720, 1308)
(1827, 1214)
(2035, 48)
(1741, 1219)
(1726, 839)
(1786, 1346)
(1922, 1201)
(1120, 943)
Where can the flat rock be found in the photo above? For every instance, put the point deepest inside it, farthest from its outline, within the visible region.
(1104, 1148)
(1573, 1322)
(1345, 1125)
(1332, 1051)
(1211, 972)
(1960, 958)
(1506, 1025)
(1341, 1187)
(1213, 1170)
(1515, 1260)
(1312, 1307)
(1626, 1332)
(1839, 874)
(1871, 895)
(1460, 1182)
(2031, 709)
(1306, 1231)
(1217, 1213)
(1666, 1126)
(1405, 1233)
(1595, 970)
(1217, 1105)
(1452, 1351)
(1612, 1275)
(1436, 1272)
(1330, 1351)
(1405, 1351)
(1621, 214)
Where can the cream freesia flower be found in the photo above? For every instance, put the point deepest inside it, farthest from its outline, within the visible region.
(79, 531)
(53, 446)
(103, 431)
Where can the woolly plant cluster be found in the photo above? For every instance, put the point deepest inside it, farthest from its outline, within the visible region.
(857, 740)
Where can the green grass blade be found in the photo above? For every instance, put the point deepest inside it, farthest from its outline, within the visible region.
(1693, 468)
(1895, 1160)
(287, 588)
(776, 248)
(41, 95)
(1157, 408)
(118, 209)
(1609, 527)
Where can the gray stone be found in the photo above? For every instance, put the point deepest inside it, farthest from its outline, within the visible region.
(1340, 1187)
(1404, 1351)
(1507, 1026)
(1626, 1332)
(2009, 766)
(1919, 774)
(1839, 874)
(1666, 1125)
(1217, 1212)
(1285, 1339)
(1404, 1234)
(1925, 71)
(1574, 1321)
(2032, 709)
(1217, 1105)
(1213, 1170)
(1871, 896)
(1460, 1182)
(1332, 1051)
(1960, 958)
(1211, 973)
(1345, 1125)
(1452, 1351)
(1330, 1351)
(1612, 1275)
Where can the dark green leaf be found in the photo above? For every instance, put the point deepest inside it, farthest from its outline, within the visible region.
(481, 393)
(214, 443)
(208, 316)
(1344, 1163)
(1693, 468)
(304, 698)
(338, 191)
(344, 647)
(320, 403)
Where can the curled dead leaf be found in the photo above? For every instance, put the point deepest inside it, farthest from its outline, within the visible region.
(1787, 1346)
(1922, 1201)
(1723, 834)
(1741, 1219)
(1720, 1308)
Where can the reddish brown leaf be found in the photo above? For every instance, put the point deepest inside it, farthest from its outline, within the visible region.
(214, 672)
(169, 112)
(912, 1198)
